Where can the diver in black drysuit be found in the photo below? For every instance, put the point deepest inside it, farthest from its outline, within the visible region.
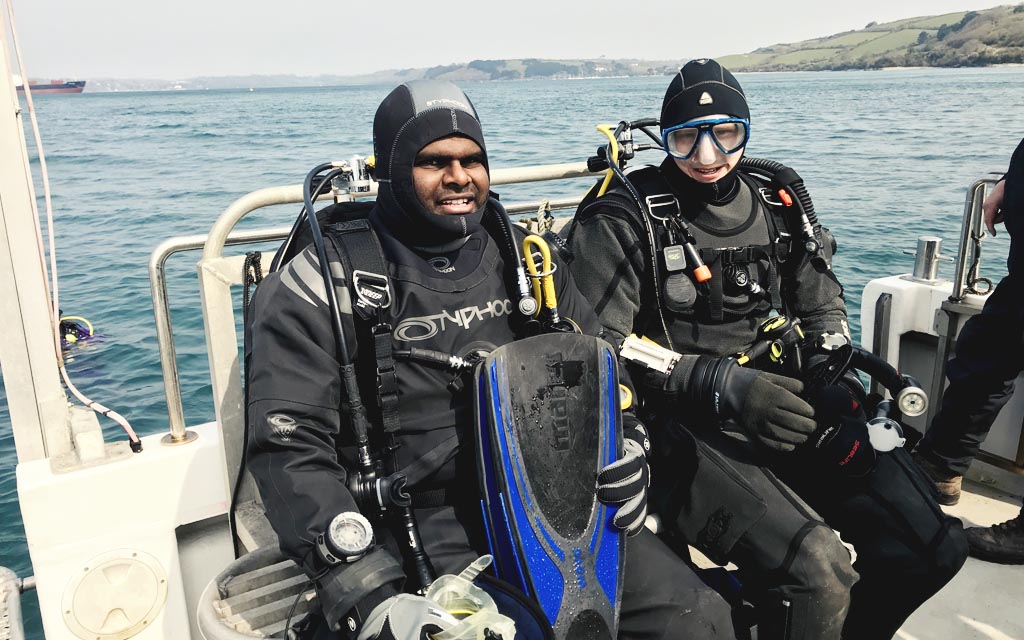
(449, 295)
(735, 493)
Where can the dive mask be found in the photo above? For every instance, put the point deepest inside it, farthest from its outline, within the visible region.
(729, 135)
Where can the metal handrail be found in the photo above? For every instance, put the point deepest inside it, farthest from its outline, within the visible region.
(222, 234)
(970, 229)
(162, 312)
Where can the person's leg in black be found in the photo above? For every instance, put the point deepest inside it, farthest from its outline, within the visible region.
(662, 597)
(907, 548)
(793, 567)
(989, 356)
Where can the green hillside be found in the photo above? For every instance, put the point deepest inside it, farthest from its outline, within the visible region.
(966, 38)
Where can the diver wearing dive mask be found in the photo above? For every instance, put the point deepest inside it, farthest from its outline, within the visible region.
(726, 477)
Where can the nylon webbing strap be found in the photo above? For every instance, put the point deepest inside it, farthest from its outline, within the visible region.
(371, 297)
(716, 303)
(773, 285)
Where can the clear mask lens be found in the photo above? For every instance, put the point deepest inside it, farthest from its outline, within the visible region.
(728, 135)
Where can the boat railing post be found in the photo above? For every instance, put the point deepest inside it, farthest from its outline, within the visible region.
(969, 251)
(162, 315)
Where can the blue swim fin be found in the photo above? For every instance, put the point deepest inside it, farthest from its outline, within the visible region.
(549, 419)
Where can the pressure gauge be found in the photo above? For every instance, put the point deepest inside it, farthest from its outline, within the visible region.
(347, 539)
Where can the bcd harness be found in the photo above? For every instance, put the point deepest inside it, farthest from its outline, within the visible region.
(662, 220)
(354, 241)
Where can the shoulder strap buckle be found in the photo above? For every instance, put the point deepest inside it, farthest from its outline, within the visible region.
(662, 200)
(373, 290)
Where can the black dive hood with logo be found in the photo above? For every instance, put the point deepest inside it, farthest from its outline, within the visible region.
(702, 88)
(412, 116)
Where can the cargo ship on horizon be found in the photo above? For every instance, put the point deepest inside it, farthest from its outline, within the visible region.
(54, 86)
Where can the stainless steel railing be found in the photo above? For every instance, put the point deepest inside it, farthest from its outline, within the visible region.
(970, 238)
(965, 278)
(162, 313)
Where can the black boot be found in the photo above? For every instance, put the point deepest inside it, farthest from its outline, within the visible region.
(1003, 543)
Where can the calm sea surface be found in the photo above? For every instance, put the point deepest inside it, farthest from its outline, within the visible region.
(886, 155)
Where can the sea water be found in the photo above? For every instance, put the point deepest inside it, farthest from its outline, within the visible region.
(886, 156)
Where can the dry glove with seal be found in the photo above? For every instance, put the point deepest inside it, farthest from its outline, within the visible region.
(765, 405)
(624, 482)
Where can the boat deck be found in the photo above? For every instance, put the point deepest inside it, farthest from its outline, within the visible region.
(985, 601)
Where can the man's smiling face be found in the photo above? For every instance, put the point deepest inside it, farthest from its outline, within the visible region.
(450, 176)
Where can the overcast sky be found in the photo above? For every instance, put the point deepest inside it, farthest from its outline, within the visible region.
(177, 39)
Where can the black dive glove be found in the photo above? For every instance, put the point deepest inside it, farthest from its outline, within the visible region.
(842, 442)
(765, 405)
(624, 482)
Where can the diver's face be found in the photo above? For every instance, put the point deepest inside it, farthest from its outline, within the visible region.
(708, 163)
(450, 176)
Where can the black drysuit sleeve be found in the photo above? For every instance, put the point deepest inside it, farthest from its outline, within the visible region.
(295, 425)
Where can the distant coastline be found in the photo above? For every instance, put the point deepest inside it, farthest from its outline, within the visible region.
(993, 37)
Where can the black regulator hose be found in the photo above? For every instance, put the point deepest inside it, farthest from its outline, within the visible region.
(368, 484)
(793, 192)
(499, 222)
(787, 177)
(911, 400)
(645, 215)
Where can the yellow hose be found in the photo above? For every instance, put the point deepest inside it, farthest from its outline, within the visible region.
(607, 129)
(542, 279)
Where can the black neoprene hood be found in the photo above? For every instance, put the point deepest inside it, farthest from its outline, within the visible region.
(702, 88)
(412, 116)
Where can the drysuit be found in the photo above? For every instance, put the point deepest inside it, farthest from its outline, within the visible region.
(731, 500)
(449, 295)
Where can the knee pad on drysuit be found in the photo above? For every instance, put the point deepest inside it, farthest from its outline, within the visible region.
(814, 595)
